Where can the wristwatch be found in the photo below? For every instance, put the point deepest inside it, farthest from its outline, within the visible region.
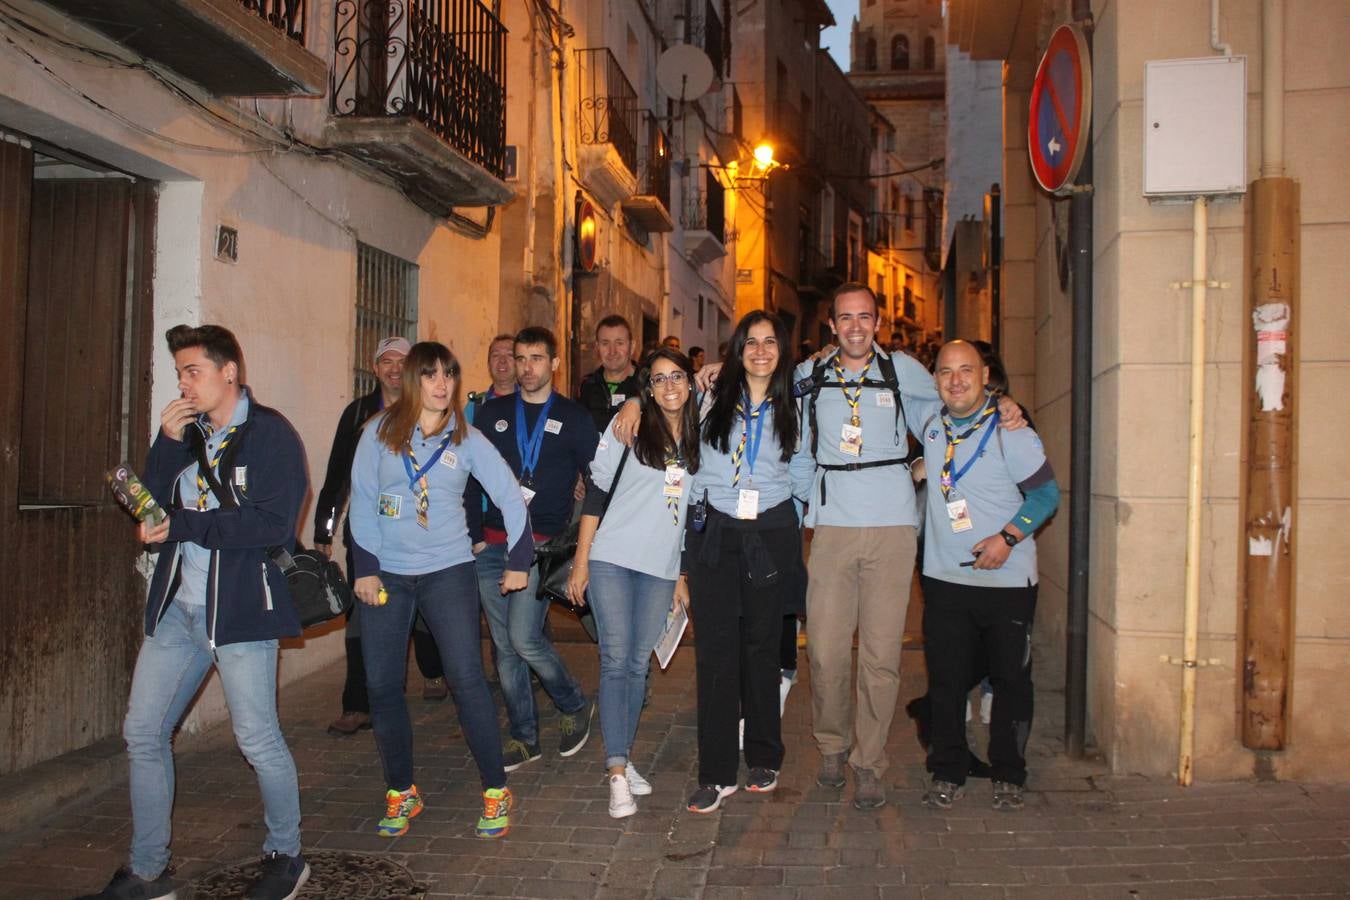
(1008, 537)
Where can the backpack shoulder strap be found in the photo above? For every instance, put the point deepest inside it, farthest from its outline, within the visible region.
(887, 366)
(817, 376)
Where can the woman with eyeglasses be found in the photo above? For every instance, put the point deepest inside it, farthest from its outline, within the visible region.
(413, 554)
(627, 564)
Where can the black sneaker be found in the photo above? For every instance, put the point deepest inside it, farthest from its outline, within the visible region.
(760, 780)
(575, 728)
(517, 753)
(709, 797)
(1008, 797)
(942, 794)
(282, 877)
(128, 886)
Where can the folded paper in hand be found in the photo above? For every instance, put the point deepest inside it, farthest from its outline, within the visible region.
(676, 621)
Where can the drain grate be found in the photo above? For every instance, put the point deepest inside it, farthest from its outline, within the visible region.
(332, 874)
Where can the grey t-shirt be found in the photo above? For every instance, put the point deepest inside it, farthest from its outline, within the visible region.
(989, 488)
(643, 530)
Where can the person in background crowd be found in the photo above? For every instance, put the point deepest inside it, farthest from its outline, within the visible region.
(389, 354)
(979, 572)
(548, 441)
(631, 558)
(603, 391)
(215, 599)
(670, 342)
(413, 554)
(897, 344)
(696, 358)
(501, 370)
(744, 566)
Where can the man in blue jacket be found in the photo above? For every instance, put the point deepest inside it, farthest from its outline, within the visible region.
(231, 474)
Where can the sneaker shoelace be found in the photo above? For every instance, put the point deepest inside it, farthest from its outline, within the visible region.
(397, 805)
(495, 807)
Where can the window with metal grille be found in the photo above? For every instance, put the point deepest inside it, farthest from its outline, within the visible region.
(386, 305)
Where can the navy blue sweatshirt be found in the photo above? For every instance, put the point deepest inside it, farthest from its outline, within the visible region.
(247, 597)
(567, 450)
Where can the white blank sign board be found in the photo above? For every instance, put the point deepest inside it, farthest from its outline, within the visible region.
(1195, 126)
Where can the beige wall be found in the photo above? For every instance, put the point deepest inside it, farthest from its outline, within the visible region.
(1141, 395)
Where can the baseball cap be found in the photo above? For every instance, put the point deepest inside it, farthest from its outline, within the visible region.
(392, 344)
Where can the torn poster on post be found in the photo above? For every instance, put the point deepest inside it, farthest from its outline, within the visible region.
(1270, 321)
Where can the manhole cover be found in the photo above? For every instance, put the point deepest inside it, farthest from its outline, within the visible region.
(333, 875)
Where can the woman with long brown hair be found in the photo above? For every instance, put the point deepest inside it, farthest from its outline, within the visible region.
(413, 554)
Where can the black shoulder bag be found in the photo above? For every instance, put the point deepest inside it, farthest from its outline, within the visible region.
(554, 557)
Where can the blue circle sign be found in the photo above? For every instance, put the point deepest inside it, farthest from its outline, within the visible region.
(1060, 114)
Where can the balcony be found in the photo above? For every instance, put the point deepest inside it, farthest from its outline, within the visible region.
(879, 230)
(649, 207)
(707, 32)
(233, 48)
(816, 273)
(704, 221)
(607, 126)
(419, 92)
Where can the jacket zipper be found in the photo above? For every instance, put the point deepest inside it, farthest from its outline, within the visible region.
(267, 588)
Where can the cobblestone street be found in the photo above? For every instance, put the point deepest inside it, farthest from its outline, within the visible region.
(1084, 833)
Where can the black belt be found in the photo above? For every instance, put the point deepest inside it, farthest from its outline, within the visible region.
(853, 467)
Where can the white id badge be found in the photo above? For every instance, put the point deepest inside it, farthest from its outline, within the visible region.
(850, 439)
(747, 504)
(674, 485)
(959, 514)
(390, 506)
(527, 494)
(449, 460)
(886, 399)
(617, 399)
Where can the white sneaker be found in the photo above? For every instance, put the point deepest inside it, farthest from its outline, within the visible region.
(640, 786)
(620, 798)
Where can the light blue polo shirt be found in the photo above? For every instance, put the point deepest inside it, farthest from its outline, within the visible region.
(989, 488)
(196, 559)
(640, 530)
(771, 476)
(383, 507)
(866, 498)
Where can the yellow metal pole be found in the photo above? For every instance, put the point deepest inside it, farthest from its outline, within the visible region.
(1195, 483)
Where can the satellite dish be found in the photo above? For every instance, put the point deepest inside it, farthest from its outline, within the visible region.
(684, 72)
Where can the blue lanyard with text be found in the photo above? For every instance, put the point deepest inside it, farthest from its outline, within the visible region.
(529, 445)
(979, 448)
(748, 448)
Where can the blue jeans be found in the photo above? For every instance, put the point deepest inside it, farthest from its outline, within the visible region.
(630, 611)
(169, 669)
(448, 602)
(516, 622)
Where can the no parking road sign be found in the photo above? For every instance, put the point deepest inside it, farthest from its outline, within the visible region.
(1060, 115)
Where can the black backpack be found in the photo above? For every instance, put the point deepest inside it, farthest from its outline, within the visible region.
(809, 388)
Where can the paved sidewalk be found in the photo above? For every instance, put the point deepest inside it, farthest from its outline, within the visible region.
(1084, 834)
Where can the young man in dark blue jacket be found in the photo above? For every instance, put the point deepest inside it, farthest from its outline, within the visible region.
(231, 474)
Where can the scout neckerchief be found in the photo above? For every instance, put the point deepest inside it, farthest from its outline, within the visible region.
(672, 492)
(856, 395)
(417, 476)
(203, 487)
(748, 448)
(528, 445)
(988, 414)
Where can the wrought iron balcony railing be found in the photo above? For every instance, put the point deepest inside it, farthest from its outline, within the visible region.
(609, 108)
(708, 33)
(441, 62)
(286, 16)
(654, 166)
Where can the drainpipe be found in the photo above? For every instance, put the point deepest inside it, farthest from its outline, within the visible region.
(1266, 547)
(1080, 442)
(1194, 485)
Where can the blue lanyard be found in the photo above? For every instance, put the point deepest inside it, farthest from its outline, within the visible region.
(528, 446)
(416, 475)
(752, 443)
(979, 448)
